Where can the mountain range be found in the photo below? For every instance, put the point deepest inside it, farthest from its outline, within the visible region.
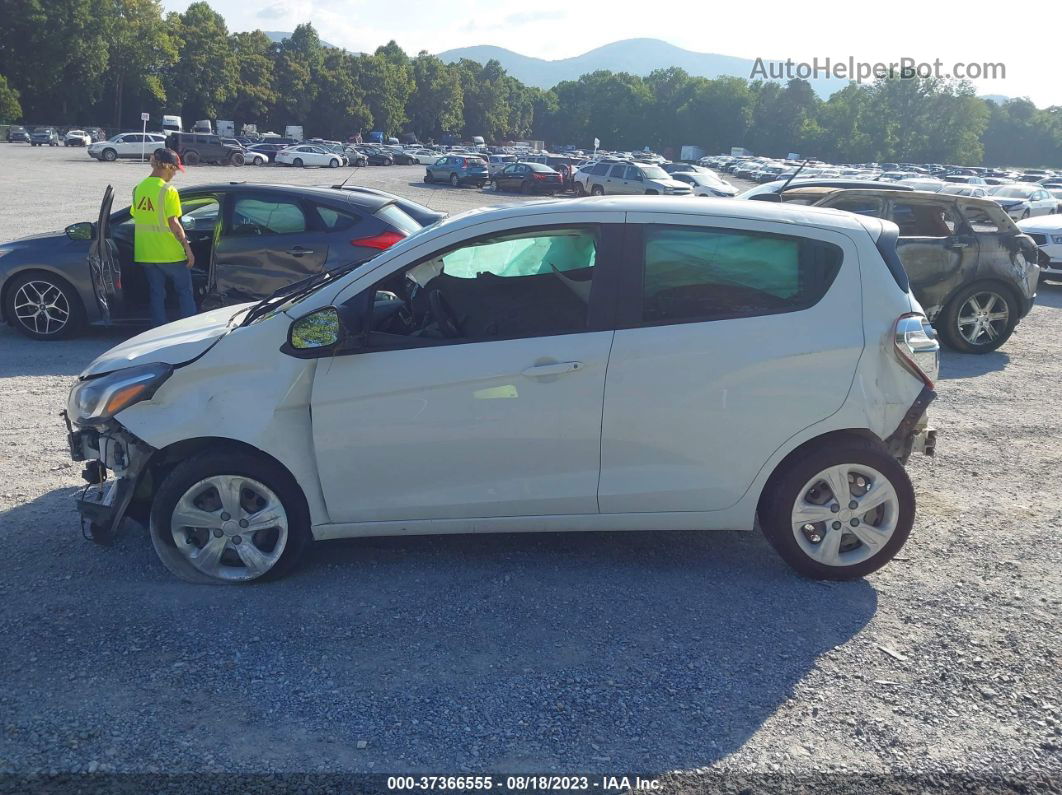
(636, 56)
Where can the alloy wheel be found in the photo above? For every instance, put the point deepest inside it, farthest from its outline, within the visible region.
(230, 527)
(42, 307)
(983, 317)
(845, 514)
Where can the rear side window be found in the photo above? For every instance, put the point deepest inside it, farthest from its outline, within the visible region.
(618, 171)
(923, 220)
(695, 274)
(398, 218)
(600, 169)
(863, 206)
(334, 220)
(257, 217)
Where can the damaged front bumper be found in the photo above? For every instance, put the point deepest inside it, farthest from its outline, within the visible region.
(103, 502)
(913, 434)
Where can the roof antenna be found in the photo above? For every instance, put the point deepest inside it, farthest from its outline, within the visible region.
(352, 173)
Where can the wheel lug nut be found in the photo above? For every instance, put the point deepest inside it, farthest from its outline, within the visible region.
(853, 505)
(836, 525)
(225, 517)
(218, 532)
(237, 540)
(854, 523)
(835, 507)
(243, 523)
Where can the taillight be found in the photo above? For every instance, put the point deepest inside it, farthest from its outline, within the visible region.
(381, 241)
(536, 175)
(917, 347)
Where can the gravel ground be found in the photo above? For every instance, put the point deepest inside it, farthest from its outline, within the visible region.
(606, 653)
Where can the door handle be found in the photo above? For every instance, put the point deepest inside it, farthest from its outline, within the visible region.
(298, 251)
(958, 244)
(557, 368)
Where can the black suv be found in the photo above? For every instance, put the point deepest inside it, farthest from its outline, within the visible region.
(17, 133)
(196, 148)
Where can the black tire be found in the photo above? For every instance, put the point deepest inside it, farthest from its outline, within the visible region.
(190, 158)
(37, 329)
(297, 162)
(428, 178)
(1025, 215)
(652, 193)
(597, 190)
(525, 188)
(785, 487)
(947, 323)
(212, 463)
(333, 163)
(455, 181)
(237, 159)
(580, 190)
(109, 155)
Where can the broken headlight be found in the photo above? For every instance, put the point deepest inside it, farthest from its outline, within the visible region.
(101, 398)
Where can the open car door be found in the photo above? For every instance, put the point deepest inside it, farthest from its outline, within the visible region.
(103, 262)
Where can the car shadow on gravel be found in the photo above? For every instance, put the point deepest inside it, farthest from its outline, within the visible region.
(970, 365)
(23, 356)
(591, 652)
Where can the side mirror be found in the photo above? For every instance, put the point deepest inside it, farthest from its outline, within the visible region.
(187, 222)
(313, 334)
(80, 231)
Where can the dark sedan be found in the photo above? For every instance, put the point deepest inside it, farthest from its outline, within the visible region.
(248, 241)
(528, 178)
(17, 133)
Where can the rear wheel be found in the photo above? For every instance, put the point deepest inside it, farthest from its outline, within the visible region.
(191, 158)
(297, 162)
(43, 307)
(229, 517)
(979, 319)
(840, 510)
(237, 159)
(597, 190)
(109, 155)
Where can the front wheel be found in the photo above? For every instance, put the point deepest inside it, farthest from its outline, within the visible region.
(454, 180)
(297, 162)
(109, 155)
(43, 307)
(229, 518)
(597, 190)
(333, 163)
(978, 319)
(840, 510)
(428, 177)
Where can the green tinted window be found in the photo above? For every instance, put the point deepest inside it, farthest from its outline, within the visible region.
(561, 250)
(705, 274)
(253, 216)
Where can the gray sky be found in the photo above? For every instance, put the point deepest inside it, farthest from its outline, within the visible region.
(771, 29)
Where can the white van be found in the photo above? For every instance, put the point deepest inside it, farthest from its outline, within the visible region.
(593, 364)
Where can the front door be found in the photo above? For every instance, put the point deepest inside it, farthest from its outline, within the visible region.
(103, 262)
(737, 336)
(267, 242)
(495, 412)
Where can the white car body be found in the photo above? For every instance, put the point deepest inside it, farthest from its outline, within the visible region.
(77, 138)
(253, 158)
(424, 156)
(706, 184)
(309, 155)
(1023, 200)
(677, 425)
(126, 145)
(1047, 232)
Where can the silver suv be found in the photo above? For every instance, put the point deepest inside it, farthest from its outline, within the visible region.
(630, 179)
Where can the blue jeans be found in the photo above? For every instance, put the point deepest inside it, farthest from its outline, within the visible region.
(179, 276)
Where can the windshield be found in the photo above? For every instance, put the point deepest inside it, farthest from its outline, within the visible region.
(655, 172)
(1012, 192)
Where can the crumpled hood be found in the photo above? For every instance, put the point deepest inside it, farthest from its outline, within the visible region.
(175, 343)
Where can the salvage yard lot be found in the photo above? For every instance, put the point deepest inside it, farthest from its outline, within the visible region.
(615, 653)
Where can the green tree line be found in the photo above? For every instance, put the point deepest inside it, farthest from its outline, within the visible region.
(102, 62)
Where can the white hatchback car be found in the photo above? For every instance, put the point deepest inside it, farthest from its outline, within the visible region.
(592, 364)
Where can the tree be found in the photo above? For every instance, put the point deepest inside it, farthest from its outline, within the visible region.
(340, 108)
(255, 93)
(437, 103)
(206, 74)
(10, 109)
(141, 49)
(387, 80)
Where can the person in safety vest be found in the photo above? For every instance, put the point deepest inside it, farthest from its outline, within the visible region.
(160, 245)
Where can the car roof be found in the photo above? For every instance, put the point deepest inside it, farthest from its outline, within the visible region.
(370, 202)
(799, 215)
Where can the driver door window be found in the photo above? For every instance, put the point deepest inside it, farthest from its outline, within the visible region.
(524, 285)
